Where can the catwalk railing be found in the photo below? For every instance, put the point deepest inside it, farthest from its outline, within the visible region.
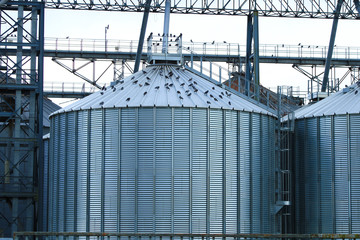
(171, 236)
(231, 50)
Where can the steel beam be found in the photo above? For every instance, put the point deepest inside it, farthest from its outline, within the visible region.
(249, 38)
(256, 53)
(142, 35)
(290, 8)
(331, 46)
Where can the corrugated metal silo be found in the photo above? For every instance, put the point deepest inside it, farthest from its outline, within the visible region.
(327, 164)
(164, 150)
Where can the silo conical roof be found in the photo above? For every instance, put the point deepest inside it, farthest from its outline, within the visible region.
(164, 86)
(346, 101)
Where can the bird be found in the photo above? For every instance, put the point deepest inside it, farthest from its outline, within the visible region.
(122, 81)
(166, 84)
(177, 68)
(356, 91)
(103, 88)
(182, 84)
(299, 44)
(145, 93)
(157, 87)
(213, 42)
(220, 96)
(191, 40)
(222, 93)
(122, 88)
(114, 89)
(190, 85)
(148, 78)
(132, 77)
(195, 90)
(187, 91)
(101, 103)
(215, 99)
(102, 93)
(213, 88)
(147, 84)
(195, 82)
(135, 82)
(229, 103)
(144, 72)
(181, 97)
(189, 94)
(140, 85)
(208, 102)
(177, 77)
(159, 34)
(190, 79)
(128, 99)
(170, 85)
(167, 88)
(166, 77)
(178, 92)
(211, 96)
(206, 92)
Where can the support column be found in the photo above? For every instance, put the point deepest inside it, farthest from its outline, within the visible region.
(142, 35)
(248, 71)
(256, 53)
(331, 46)
(166, 26)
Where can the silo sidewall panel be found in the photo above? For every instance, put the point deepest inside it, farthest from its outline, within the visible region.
(245, 172)
(181, 164)
(326, 207)
(354, 130)
(341, 174)
(111, 170)
(69, 174)
(231, 169)
(128, 173)
(311, 174)
(199, 165)
(82, 171)
(216, 170)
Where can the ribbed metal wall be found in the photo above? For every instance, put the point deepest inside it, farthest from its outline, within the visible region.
(327, 174)
(175, 170)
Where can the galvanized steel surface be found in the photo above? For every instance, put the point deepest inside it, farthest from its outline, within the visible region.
(346, 101)
(327, 173)
(164, 86)
(163, 169)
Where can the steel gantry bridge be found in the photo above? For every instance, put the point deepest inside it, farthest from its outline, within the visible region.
(21, 75)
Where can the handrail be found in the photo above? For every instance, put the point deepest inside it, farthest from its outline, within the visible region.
(204, 48)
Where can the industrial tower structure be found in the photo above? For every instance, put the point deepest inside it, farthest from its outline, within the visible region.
(21, 82)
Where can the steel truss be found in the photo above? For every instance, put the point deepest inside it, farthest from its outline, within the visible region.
(21, 83)
(275, 8)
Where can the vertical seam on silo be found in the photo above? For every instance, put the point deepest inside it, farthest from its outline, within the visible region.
(76, 169)
(172, 170)
(65, 169)
(333, 173)
(102, 170)
(224, 170)
(208, 173)
(238, 172)
(119, 173)
(57, 176)
(136, 167)
(190, 167)
(318, 172)
(88, 174)
(154, 170)
(261, 175)
(349, 171)
(251, 169)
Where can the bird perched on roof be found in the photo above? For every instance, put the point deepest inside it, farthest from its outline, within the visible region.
(128, 99)
(206, 92)
(157, 87)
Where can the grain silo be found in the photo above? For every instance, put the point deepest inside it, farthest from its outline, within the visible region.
(163, 151)
(327, 164)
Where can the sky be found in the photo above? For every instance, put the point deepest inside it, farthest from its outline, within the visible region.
(199, 28)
